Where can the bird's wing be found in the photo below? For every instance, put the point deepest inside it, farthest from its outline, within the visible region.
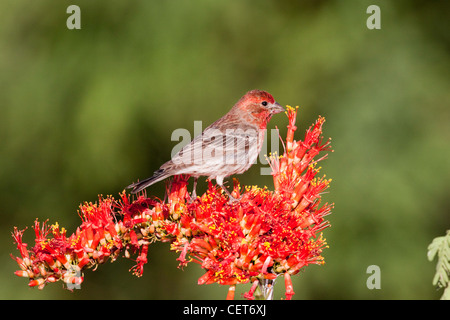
(216, 147)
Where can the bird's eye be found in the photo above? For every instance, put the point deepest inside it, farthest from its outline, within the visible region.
(264, 103)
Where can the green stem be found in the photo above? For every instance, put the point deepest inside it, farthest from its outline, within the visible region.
(264, 291)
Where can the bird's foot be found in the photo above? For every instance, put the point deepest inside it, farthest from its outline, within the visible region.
(233, 199)
(230, 196)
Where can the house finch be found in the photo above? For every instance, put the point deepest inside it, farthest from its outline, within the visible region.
(228, 146)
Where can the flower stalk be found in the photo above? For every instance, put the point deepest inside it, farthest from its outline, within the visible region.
(264, 289)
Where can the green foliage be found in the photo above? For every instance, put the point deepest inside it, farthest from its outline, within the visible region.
(441, 247)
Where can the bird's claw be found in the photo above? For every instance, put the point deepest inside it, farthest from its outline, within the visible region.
(233, 199)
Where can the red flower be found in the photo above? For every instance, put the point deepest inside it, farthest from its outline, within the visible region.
(264, 235)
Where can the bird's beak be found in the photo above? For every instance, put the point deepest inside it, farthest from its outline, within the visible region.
(276, 108)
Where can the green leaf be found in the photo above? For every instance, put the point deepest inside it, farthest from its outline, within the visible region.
(446, 295)
(440, 246)
(434, 247)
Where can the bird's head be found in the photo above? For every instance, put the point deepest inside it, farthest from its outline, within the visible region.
(259, 105)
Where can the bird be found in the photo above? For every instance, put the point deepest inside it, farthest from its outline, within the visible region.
(228, 146)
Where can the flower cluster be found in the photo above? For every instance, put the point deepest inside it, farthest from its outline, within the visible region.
(98, 239)
(263, 235)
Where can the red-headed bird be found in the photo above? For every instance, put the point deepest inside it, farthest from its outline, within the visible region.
(228, 146)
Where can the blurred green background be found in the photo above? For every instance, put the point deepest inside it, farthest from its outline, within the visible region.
(86, 112)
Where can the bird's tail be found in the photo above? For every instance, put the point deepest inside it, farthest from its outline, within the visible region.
(141, 185)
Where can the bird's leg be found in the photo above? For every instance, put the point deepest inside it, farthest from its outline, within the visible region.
(194, 191)
(230, 196)
(226, 191)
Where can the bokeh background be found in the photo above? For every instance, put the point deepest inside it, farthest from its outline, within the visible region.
(86, 112)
